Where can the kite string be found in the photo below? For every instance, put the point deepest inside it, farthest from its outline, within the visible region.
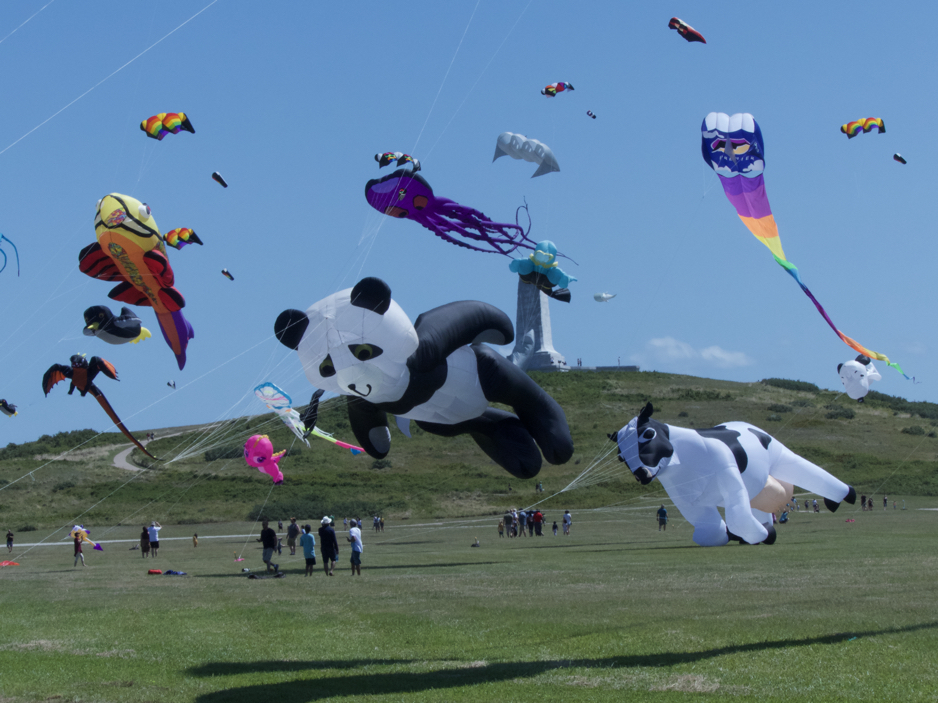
(158, 41)
(259, 512)
(443, 83)
(469, 92)
(27, 20)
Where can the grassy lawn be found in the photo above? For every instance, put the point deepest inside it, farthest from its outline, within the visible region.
(617, 611)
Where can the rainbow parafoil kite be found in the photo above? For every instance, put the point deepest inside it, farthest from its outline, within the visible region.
(158, 126)
(551, 90)
(852, 129)
(178, 238)
(732, 146)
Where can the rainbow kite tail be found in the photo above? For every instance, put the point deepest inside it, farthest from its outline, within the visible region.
(355, 450)
(850, 342)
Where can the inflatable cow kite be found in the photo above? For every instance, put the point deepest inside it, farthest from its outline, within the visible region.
(735, 466)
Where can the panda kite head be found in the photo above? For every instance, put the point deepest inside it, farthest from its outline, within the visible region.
(645, 446)
(355, 342)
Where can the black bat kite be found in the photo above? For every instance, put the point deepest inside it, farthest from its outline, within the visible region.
(81, 373)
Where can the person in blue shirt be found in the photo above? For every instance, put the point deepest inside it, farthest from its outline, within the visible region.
(308, 543)
(662, 519)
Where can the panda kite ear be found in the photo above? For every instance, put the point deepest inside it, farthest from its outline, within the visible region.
(864, 359)
(839, 367)
(290, 327)
(646, 412)
(372, 294)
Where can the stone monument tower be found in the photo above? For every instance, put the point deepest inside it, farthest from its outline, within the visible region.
(534, 345)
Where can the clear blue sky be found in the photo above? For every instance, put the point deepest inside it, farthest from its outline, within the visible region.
(290, 101)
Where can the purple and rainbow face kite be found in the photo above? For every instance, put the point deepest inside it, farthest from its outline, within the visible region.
(732, 144)
(406, 195)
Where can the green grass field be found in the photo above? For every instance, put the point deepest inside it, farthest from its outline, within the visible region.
(834, 611)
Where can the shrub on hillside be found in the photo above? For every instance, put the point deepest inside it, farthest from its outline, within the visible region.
(790, 385)
(224, 453)
(54, 444)
(839, 412)
(914, 429)
(927, 411)
(779, 408)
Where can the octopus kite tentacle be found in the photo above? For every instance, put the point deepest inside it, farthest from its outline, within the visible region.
(406, 195)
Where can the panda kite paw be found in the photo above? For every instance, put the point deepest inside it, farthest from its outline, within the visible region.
(380, 438)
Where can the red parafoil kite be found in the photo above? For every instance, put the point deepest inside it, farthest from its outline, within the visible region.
(686, 31)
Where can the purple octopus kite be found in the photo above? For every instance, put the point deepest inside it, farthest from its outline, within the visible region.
(405, 194)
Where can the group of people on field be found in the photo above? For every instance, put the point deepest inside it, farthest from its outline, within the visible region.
(529, 523)
(328, 544)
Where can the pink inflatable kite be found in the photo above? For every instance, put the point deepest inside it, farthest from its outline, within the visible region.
(259, 453)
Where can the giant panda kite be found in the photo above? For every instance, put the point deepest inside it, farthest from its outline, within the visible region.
(361, 344)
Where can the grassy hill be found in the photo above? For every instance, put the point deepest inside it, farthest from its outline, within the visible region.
(885, 445)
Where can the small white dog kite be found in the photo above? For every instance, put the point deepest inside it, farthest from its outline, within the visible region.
(857, 376)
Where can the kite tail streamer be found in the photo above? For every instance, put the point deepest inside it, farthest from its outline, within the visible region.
(102, 401)
(15, 251)
(850, 342)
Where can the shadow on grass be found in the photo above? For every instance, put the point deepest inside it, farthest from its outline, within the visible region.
(359, 683)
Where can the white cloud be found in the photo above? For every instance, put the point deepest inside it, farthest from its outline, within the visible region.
(668, 350)
(725, 359)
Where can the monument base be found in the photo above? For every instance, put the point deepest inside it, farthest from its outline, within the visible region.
(534, 346)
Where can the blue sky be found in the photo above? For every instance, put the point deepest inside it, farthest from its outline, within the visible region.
(290, 101)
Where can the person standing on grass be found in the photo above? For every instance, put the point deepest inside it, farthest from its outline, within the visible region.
(328, 546)
(555, 528)
(9, 540)
(280, 525)
(869, 503)
(381, 525)
(501, 528)
(154, 534)
(662, 518)
(885, 502)
(814, 504)
(145, 542)
(567, 522)
(195, 540)
(355, 537)
(523, 517)
(308, 543)
(78, 554)
(268, 540)
(539, 523)
(293, 533)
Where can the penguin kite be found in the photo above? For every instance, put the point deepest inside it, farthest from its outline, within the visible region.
(7, 409)
(100, 322)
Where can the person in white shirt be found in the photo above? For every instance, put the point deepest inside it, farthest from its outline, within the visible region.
(355, 537)
(567, 521)
(154, 531)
